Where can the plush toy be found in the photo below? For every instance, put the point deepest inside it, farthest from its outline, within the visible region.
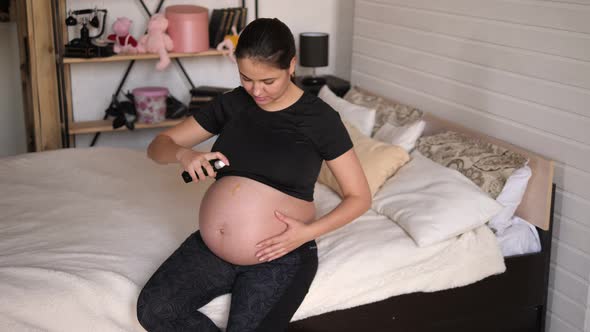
(229, 44)
(124, 42)
(157, 40)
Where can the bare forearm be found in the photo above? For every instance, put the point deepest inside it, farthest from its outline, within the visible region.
(349, 209)
(164, 150)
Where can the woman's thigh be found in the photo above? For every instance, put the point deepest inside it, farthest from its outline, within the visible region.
(266, 296)
(190, 278)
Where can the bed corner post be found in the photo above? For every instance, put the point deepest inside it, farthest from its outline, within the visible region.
(546, 248)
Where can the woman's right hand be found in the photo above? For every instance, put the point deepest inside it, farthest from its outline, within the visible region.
(192, 161)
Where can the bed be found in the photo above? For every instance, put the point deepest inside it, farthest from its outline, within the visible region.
(81, 231)
(514, 300)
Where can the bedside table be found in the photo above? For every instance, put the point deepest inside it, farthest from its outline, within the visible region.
(337, 85)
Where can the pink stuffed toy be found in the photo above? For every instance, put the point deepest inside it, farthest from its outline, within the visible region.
(157, 41)
(124, 42)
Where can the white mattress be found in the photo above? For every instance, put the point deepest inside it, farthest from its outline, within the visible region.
(82, 230)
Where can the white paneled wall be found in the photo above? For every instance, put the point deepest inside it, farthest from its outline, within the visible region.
(518, 70)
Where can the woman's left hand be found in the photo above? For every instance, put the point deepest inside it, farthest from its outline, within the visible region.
(296, 234)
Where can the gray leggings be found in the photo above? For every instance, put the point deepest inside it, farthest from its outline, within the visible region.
(264, 296)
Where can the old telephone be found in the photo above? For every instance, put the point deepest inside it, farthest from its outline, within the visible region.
(87, 46)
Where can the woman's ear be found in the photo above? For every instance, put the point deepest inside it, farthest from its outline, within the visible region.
(292, 66)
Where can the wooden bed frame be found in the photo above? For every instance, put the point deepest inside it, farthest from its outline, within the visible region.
(515, 300)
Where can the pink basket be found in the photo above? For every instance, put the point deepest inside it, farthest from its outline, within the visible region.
(150, 104)
(188, 27)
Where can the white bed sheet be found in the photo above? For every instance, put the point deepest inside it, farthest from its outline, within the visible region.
(82, 230)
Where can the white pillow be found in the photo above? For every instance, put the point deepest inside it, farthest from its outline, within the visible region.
(510, 197)
(433, 203)
(518, 239)
(359, 116)
(405, 136)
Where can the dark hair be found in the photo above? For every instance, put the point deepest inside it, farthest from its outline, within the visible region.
(268, 40)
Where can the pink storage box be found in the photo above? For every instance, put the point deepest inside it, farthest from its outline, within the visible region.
(150, 104)
(188, 27)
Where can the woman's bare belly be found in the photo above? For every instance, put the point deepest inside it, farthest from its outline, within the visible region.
(237, 213)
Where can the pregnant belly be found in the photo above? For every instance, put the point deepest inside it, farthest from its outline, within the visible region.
(236, 213)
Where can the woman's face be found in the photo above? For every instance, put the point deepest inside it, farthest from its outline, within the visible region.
(265, 83)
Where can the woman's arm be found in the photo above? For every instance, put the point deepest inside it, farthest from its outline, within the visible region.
(165, 147)
(356, 195)
(356, 199)
(174, 145)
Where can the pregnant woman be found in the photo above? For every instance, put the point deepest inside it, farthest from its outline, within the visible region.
(257, 221)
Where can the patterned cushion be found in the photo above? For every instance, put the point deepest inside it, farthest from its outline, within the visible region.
(388, 111)
(486, 164)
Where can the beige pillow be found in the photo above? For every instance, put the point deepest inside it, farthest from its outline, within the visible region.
(388, 111)
(378, 160)
(486, 164)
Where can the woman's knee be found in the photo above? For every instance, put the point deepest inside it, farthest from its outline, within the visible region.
(146, 315)
(158, 315)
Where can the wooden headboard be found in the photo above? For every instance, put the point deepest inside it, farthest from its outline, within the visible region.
(536, 204)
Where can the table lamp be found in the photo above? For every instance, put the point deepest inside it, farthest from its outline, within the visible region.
(313, 52)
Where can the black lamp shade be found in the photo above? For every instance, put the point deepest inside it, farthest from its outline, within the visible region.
(313, 49)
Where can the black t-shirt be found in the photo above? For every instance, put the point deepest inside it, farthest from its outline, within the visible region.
(283, 149)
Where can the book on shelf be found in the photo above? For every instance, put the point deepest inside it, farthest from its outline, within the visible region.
(214, 21)
(235, 21)
(226, 30)
(243, 19)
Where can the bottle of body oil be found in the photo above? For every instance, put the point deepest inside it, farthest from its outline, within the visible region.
(215, 163)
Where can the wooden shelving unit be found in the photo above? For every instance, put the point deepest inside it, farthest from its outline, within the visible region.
(90, 127)
(145, 56)
(69, 128)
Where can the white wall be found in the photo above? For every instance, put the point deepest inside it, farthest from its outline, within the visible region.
(333, 16)
(93, 84)
(517, 70)
(12, 123)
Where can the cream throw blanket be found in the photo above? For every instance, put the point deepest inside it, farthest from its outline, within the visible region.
(81, 231)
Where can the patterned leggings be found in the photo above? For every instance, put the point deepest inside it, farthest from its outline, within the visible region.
(264, 296)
